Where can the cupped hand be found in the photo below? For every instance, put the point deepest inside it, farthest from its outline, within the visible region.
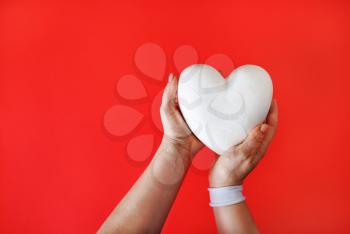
(237, 162)
(176, 131)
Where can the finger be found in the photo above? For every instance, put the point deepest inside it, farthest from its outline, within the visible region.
(272, 116)
(174, 87)
(253, 141)
(272, 122)
(173, 82)
(170, 93)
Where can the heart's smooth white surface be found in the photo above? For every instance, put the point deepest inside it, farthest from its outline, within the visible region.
(221, 112)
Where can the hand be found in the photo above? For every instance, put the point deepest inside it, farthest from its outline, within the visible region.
(237, 162)
(145, 207)
(176, 131)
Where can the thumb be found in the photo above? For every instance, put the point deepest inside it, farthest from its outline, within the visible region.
(170, 94)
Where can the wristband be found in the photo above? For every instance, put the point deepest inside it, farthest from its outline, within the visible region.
(225, 196)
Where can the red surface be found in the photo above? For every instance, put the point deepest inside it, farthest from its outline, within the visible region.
(62, 172)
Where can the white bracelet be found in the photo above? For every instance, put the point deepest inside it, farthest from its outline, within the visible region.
(225, 196)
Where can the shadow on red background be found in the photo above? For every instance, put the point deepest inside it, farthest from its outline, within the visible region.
(60, 172)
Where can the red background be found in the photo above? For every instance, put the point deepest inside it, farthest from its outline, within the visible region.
(61, 173)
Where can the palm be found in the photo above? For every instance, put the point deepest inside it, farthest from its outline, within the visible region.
(238, 161)
(174, 124)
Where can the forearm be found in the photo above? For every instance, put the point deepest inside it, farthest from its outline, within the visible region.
(234, 219)
(146, 206)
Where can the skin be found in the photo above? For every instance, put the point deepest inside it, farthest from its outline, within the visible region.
(233, 166)
(145, 207)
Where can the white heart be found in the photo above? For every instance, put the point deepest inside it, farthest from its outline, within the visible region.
(221, 112)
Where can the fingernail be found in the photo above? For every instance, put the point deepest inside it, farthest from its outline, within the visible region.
(171, 76)
(264, 128)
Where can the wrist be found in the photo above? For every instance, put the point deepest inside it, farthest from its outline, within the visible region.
(213, 183)
(216, 184)
(219, 178)
(170, 163)
(182, 147)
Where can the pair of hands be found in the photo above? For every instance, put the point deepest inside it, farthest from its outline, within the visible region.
(237, 162)
(145, 207)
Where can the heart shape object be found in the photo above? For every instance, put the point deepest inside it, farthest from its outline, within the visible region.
(221, 112)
